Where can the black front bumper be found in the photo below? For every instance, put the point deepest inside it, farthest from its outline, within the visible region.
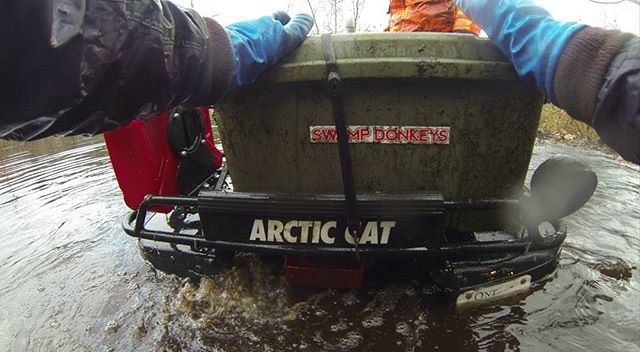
(225, 222)
(314, 225)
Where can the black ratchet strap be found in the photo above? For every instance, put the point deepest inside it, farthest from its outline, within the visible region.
(334, 84)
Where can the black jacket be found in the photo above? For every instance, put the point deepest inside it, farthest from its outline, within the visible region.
(597, 81)
(85, 67)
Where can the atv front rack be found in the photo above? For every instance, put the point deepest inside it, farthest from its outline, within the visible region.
(219, 218)
(425, 233)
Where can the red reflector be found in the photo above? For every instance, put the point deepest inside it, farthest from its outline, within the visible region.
(325, 272)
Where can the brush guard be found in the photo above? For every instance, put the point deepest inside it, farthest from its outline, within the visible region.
(217, 223)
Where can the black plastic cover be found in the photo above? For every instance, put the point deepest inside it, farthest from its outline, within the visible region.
(319, 221)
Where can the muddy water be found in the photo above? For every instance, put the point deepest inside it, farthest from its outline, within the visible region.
(70, 280)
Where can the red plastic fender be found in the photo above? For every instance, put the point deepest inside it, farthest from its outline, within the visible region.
(143, 161)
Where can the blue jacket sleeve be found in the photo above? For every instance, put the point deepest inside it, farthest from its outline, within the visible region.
(527, 34)
(592, 73)
(259, 44)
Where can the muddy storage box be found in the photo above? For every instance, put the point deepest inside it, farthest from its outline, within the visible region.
(426, 112)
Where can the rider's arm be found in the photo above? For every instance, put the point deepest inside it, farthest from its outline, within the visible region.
(592, 73)
(92, 66)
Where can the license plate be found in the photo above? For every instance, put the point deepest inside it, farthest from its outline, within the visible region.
(494, 292)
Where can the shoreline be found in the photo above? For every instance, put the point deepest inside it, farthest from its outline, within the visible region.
(544, 137)
(574, 141)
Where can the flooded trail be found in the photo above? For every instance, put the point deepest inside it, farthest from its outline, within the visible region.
(71, 280)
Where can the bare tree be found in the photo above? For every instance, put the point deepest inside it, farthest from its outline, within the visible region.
(315, 17)
(356, 7)
(609, 21)
(329, 15)
(335, 8)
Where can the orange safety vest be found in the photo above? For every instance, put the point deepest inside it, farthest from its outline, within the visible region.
(428, 16)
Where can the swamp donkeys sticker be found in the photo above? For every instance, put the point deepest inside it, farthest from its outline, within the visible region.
(383, 134)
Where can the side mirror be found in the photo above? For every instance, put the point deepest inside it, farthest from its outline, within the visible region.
(559, 187)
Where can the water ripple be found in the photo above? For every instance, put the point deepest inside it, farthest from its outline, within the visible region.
(73, 281)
